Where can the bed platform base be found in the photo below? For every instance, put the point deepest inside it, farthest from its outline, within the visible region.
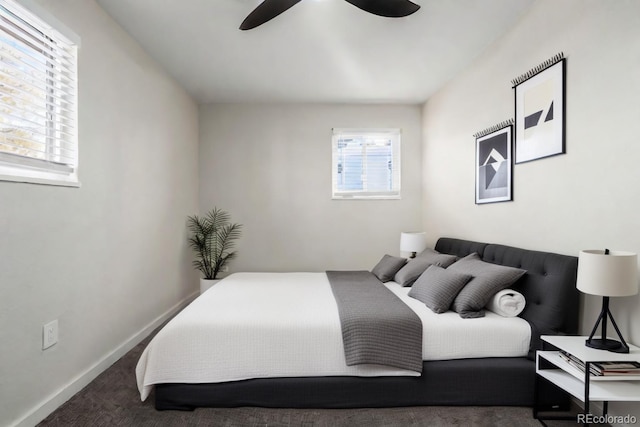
(477, 382)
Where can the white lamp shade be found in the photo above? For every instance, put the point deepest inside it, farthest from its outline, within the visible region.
(612, 275)
(413, 241)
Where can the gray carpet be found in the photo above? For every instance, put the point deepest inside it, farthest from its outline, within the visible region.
(112, 399)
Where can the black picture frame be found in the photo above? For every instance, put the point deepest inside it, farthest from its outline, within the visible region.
(540, 112)
(494, 165)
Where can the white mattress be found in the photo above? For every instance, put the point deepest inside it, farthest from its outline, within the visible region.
(259, 325)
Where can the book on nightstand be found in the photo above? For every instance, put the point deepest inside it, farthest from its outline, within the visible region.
(603, 368)
(616, 368)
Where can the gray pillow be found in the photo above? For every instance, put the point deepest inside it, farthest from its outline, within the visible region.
(387, 267)
(416, 266)
(442, 260)
(487, 280)
(437, 287)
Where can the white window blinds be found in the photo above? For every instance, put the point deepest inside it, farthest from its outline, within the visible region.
(38, 100)
(366, 164)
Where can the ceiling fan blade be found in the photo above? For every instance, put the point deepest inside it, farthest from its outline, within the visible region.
(387, 8)
(266, 11)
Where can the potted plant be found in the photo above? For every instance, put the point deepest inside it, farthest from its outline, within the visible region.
(212, 239)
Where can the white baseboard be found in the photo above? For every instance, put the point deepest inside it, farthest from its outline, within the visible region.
(55, 400)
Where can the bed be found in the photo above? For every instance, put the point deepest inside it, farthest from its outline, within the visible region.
(263, 371)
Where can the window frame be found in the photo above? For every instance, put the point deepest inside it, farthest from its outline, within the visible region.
(56, 40)
(395, 135)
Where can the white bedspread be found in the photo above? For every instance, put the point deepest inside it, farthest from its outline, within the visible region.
(257, 325)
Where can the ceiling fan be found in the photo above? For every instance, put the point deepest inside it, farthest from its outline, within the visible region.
(269, 9)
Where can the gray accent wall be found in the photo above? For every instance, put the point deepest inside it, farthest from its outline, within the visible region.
(269, 166)
(106, 259)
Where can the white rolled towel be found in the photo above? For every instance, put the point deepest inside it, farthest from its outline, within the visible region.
(507, 303)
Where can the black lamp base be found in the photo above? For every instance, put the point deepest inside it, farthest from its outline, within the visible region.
(605, 343)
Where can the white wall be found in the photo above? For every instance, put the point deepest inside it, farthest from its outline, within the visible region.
(269, 166)
(110, 257)
(585, 199)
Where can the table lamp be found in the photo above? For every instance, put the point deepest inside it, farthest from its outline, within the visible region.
(413, 242)
(607, 274)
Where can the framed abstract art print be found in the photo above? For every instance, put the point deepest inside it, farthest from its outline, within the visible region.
(494, 164)
(540, 111)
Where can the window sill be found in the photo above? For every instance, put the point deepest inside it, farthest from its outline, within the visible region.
(396, 197)
(41, 180)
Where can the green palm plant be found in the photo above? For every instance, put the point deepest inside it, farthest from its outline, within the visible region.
(212, 239)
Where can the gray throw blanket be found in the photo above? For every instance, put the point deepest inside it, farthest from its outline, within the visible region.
(377, 327)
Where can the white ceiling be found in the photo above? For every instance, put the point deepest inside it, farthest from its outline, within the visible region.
(317, 51)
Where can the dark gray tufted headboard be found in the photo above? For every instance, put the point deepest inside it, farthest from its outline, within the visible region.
(549, 286)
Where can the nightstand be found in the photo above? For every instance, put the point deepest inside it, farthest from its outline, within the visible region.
(586, 388)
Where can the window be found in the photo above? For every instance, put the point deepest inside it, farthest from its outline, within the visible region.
(38, 99)
(366, 164)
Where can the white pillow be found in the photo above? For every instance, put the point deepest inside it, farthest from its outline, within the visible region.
(507, 303)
